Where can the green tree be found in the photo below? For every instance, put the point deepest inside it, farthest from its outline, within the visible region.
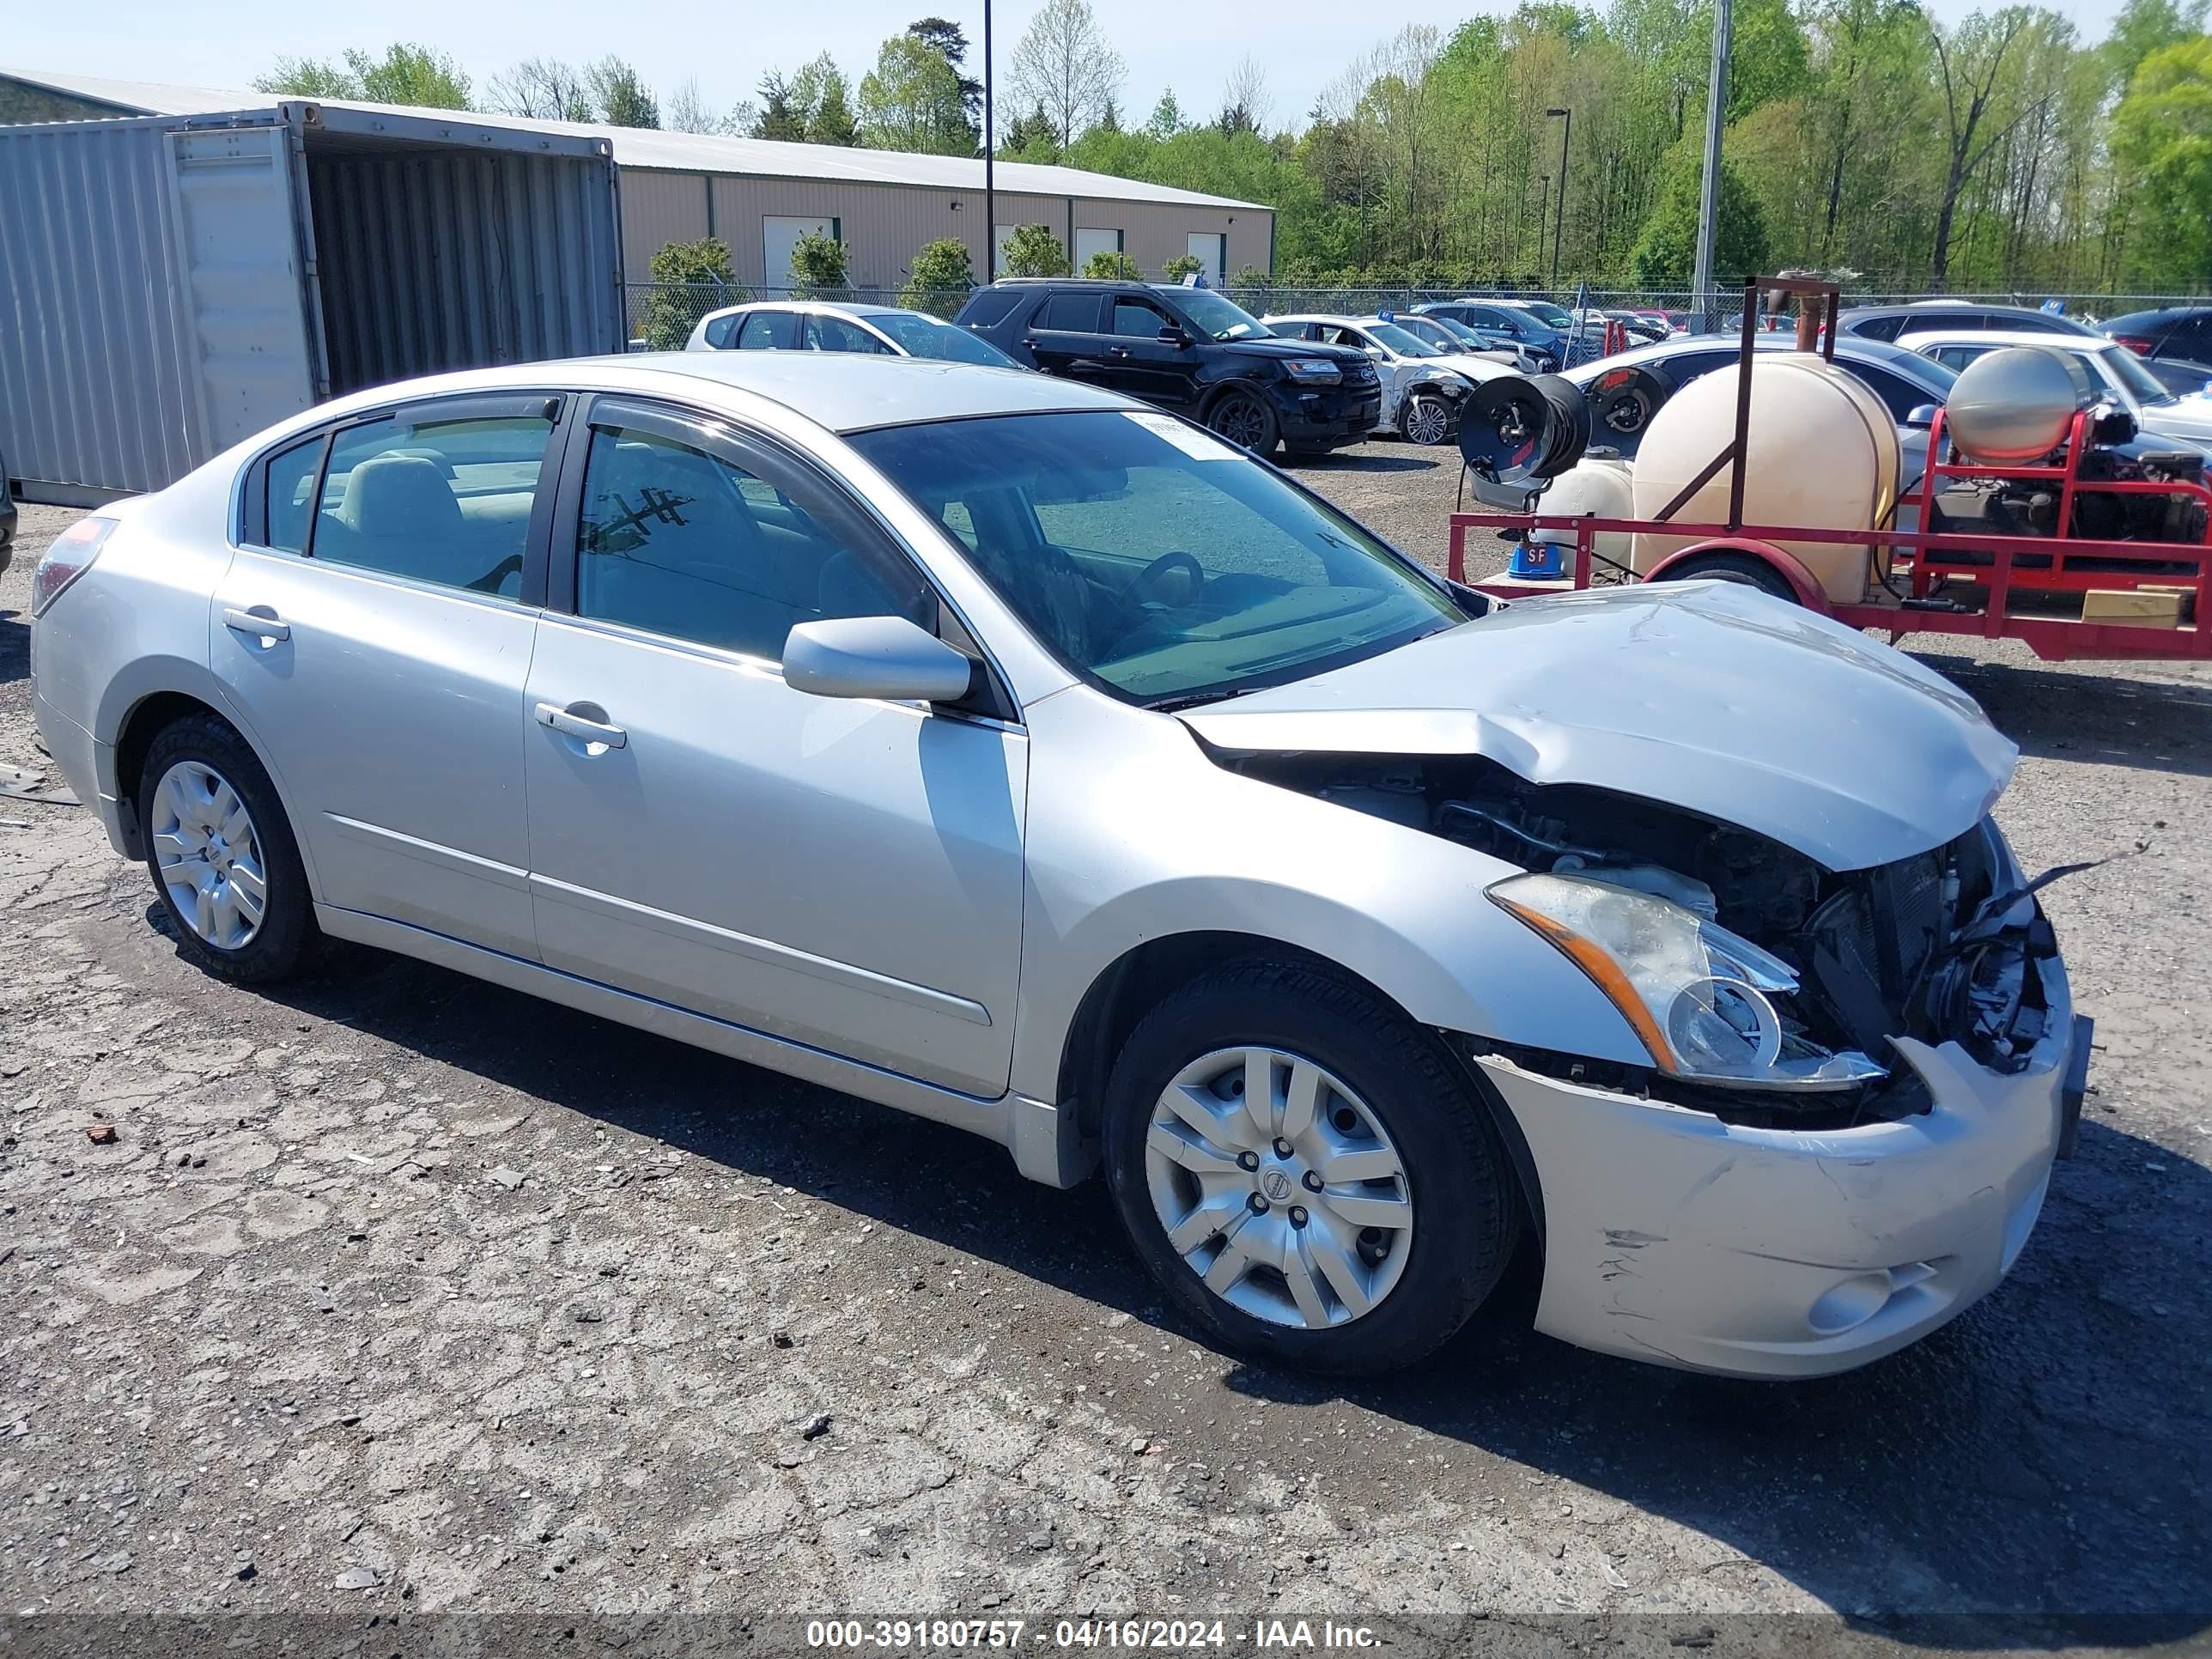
(1167, 117)
(308, 77)
(939, 279)
(1183, 265)
(1111, 265)
(544, 87)
(1665, 255)
(911, 101)
(1031, 137)
(950, 42)
(1033, 251)
(780, 118)
(2162, 136)
(421, 76)
(620, 97)
(821, 89)
(689, 280)
(817, 266)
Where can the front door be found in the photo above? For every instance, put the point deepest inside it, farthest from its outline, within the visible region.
(376, 651)
(1142, 364)
(843, 874)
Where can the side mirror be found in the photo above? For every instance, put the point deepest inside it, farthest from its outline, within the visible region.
(885, 657)
(1377, 353)
(1173, 336)
(1924, 415)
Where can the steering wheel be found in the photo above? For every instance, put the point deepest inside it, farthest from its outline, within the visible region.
(1155, 575)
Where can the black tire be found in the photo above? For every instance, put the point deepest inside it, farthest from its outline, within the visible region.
(1245, 419)
(1466, 1207)
(287, 932)
(1747, 568)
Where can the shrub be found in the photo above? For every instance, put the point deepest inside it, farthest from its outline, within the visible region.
(1033, 251)
(689, 280)
(1183, 265)
(1112, 264)
(939, 279)
(817, 266)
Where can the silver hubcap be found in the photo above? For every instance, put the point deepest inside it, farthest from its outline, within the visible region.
(209, 855)
(1426, 421)
(1278, 1187)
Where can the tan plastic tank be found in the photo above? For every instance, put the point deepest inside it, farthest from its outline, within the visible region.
(1823, 452)
(1597, 487)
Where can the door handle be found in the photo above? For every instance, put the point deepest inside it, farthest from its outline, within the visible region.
(260, 622)
(1117, 351)
(579, 726)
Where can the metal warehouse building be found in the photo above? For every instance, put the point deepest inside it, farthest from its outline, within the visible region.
(184, 264)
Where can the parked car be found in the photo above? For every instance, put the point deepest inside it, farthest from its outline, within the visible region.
(2125, 379)
(1623, 401)
(1422, 387)
(1888, 322)
(1643, 327)
(1448, 336)
(1506, 324)
(8, 516)
(1186, 349)
(2177, 334)
(818, 325)
(1006, 750)
(2179, 376)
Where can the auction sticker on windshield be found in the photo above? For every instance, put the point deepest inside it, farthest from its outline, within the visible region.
(1198, 445)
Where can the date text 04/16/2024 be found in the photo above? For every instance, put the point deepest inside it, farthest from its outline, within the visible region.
(1164, 1635)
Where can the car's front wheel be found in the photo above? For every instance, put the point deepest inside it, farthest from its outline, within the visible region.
(221, 854)
(1245, 419)
(1428, 420)
(1304, 1173)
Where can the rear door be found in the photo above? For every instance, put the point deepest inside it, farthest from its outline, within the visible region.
(1063, 337)
(836, 873)
(771, 330)
(372, 635)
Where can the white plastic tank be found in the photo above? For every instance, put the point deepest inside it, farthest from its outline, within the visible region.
(1596, 487)
(1823, 452)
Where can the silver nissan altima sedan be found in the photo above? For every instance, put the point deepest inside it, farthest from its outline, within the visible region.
(1007, 751)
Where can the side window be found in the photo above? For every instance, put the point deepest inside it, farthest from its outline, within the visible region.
(989, 306)
(721, 332)
(1898, 395)
(440, 501)
(290, 480)
(769, 331)
(1690, 364)
(1138, 320)
(1882, 328)
(1070, 313)
(680, 543)
(837, 334)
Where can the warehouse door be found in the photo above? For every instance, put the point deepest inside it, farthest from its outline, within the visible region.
(780, 237)
(1212, 247)
(233, 201)
(1090, 241)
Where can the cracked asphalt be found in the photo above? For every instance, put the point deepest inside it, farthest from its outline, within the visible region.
(397, 1290)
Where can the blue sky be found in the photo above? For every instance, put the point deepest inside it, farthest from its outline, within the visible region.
(1303, 44)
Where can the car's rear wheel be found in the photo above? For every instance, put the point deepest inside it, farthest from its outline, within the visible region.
(1427, 421)
(1304, 1172)
(1244, 420)
(221, 854)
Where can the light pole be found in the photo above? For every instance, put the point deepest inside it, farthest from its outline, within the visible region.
(1708, 192)
(1559, 220)
(990, 183)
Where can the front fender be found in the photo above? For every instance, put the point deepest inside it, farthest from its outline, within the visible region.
(1136, 836)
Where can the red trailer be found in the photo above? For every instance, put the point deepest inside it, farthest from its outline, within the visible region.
(2035, 588)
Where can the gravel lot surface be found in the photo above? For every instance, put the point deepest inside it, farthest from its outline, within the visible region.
(399, 1291)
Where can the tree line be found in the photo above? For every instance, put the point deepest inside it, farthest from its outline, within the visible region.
(1862, 137)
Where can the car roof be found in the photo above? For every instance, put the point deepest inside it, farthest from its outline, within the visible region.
(1848, 346)
(834, 307)
(2160, 314)
(1912, 339)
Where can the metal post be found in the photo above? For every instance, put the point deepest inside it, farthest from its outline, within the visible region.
(1708, 193)
(1559, 222)
(990, 181)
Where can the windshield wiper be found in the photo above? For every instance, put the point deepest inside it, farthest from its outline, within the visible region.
(1200, 699)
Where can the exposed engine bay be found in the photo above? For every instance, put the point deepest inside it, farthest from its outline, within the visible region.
(1941, 946)
(2007, 507)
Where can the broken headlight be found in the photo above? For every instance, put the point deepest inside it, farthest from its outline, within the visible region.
(1704, 1001)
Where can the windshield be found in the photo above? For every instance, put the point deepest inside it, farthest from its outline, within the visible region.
(1430, 330)
(1555, 315)
(2123, 366)
(1405, 345)
(926, 336)
(1222, 318)
(1454, 330)
(1153, 559)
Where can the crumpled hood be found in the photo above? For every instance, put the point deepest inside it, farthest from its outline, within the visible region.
(1707, 695)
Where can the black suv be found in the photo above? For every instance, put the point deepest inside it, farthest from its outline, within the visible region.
(1187, 348)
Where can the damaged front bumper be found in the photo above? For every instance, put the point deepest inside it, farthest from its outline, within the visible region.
(1671, 1236)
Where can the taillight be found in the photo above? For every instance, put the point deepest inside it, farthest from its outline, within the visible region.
(2142, 344)
(68, 556)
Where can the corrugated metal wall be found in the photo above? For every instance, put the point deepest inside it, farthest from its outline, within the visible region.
(99, 369)
(885, 225)
(434, 260)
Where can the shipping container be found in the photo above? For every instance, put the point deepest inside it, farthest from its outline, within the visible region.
(171, 284)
